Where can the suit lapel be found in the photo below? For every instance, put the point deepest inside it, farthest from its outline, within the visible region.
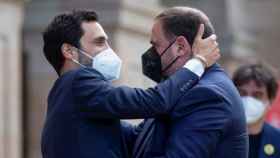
(263, 141)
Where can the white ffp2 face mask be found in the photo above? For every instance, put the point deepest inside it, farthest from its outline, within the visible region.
(106, 62)
(254, 109)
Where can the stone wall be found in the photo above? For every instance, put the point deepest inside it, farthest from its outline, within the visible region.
(10, 79)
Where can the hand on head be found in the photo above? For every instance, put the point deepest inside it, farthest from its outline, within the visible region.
(206, 50)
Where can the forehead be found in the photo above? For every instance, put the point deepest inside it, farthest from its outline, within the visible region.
(93, 30)
(252, 86)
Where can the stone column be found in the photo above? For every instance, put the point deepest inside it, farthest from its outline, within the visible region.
(10, 79)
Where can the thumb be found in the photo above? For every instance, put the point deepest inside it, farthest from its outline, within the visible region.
(200, 32)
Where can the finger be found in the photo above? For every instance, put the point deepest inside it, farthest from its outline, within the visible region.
(212, 38)
(216, 44)
(218, 55)
(200, 32)
(213, 53)
(214, 57)
(211, 42)
(212, 46)
(216, 52)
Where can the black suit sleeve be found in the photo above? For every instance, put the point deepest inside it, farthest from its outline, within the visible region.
(97, 98)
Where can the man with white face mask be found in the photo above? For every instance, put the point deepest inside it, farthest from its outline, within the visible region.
(257, 87)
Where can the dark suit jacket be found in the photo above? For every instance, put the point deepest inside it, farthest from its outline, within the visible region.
(270, 136)
(207, 122)
(83, 112)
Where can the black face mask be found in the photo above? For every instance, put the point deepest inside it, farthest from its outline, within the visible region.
(151, 64)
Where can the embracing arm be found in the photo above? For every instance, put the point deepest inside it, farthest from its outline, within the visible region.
(97, 98)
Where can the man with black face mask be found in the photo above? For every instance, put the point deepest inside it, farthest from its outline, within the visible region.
(152, 64)
(208, 121)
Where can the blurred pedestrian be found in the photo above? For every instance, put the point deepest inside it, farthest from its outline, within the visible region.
(258, 87)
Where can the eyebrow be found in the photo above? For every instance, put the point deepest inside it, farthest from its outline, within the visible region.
(100, 38)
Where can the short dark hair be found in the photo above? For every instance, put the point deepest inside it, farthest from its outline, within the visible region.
(259, 73)
(64, 28)
(184, 21)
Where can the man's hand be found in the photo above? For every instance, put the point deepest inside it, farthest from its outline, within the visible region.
(207, 49)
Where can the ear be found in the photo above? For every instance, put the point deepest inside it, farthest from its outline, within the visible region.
(183, 46)
(67, 51)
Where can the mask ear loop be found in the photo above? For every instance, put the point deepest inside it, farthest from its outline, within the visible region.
(169, 65)
(80, 51)
(84, 53)
(165, 50)
(75, 61)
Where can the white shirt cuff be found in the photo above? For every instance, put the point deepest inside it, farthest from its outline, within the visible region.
(195, 66)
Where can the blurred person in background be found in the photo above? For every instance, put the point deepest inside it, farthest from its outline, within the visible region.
(258, 87)
(84, 108)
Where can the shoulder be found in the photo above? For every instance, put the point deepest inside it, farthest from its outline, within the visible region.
(88, 80)
(220, 84)
(203, 92)
(78, 74)
(271, 134)
(270, 130)
(86, 73)
(63, 81)
(87, 76)
(203, 99)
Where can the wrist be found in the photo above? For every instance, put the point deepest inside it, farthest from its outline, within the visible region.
(196, 66)
(202, 60)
